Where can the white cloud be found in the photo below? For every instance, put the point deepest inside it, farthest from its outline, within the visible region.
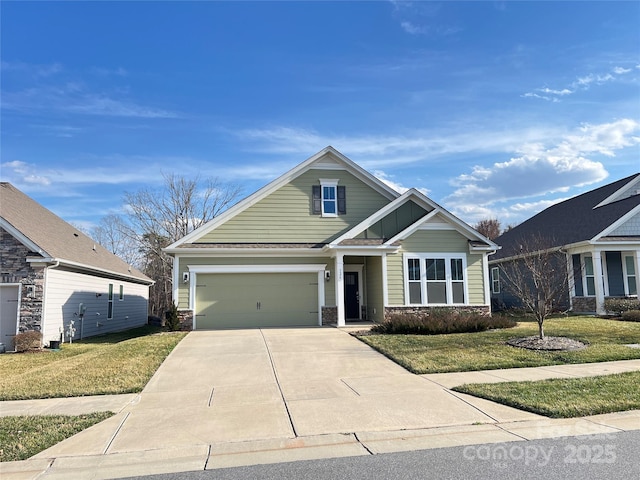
(580, 83)
(67, 93)
(539, 170)
(413, 29)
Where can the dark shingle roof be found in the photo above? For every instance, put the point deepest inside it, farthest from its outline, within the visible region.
(572, 221)
(57, 238)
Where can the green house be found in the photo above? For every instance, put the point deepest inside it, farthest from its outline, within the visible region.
(328, 243)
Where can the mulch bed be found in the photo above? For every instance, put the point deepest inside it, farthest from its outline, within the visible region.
(547, 343)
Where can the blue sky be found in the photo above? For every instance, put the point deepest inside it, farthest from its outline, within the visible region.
(494, 109)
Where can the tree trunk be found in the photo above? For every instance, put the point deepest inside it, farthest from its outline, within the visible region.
(541, 330)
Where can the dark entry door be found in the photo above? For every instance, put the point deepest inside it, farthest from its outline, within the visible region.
(351, 296)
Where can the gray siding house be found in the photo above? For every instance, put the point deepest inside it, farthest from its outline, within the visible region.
(597, 233)
(56, 280)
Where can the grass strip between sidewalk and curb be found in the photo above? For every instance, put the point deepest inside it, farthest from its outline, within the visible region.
(115, 363)
(23, 437)
(607, 340)
(564, 398)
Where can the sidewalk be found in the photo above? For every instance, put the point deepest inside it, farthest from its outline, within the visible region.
(88, 455)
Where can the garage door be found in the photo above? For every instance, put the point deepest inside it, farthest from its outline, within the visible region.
(8, 314)
(248, 300)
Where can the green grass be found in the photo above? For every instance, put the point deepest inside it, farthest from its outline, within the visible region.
(23, 437)
(564, 398)
(110, 364)
(487, 350)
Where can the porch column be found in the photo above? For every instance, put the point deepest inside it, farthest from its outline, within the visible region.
(340, 288)
(599, 282)
(636, 263)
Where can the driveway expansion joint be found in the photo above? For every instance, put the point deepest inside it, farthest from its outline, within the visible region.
(275, 374)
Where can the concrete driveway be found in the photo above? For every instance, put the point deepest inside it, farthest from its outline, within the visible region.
(288, 386)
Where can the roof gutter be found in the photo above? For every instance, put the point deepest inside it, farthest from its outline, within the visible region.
(51, 262)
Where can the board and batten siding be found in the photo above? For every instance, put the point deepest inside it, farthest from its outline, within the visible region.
(285, 216)
(64, 292)
(435, 241)
(184, 262)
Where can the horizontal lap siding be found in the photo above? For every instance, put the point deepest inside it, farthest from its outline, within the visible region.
(65, 291)
(184, 262)
(435, 241)
(285, 215)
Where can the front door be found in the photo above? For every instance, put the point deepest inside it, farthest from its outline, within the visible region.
(351, 296)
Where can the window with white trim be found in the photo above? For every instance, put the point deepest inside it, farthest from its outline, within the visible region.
(495, 280)
(629, 266)
(589, 277)
(329, 198)
(435, 279)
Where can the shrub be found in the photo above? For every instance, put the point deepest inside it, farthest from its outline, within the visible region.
(441, 320)
(28, 341)
(631, 316)
(620, 305)
(173, 319)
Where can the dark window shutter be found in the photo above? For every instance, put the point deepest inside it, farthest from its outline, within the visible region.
(342, 200)
(316, 200)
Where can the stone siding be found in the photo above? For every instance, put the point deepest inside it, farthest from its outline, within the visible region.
(16, 269)
(329, 315)
(186, 319)
(584, 304)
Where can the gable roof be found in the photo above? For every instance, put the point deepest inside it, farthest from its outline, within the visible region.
(583, 218)
(48, 235)
(326, 159)
(432, 209)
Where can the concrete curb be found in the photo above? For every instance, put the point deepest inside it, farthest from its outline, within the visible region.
(233, 454)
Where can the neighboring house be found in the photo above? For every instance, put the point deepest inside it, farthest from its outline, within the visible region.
(598, 233)
(326, 243)
(54, 277)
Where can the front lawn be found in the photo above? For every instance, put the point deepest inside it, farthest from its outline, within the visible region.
(563, 398)
(110, 364)
(461, 352)
(23, 437)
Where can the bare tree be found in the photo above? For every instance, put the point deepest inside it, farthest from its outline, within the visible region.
(116, 235)
(490, 228)
(537, 276)
(162, 217)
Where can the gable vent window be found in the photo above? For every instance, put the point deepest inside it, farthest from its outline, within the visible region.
(329, 199)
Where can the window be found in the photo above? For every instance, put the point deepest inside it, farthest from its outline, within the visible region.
(589, 277)
(436, 280)
(415, 282)
(630, 275)
(329, 199)
(110, 303)
(495, 280)
(457, 280)
(121, 294)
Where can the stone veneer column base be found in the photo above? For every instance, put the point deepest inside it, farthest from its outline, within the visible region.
(329, 316)
(186, 319)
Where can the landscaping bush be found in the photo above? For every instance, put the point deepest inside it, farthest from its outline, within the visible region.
(620, 305)
(173, 319)
(28, 341)
(438, 321)
(631, 316)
